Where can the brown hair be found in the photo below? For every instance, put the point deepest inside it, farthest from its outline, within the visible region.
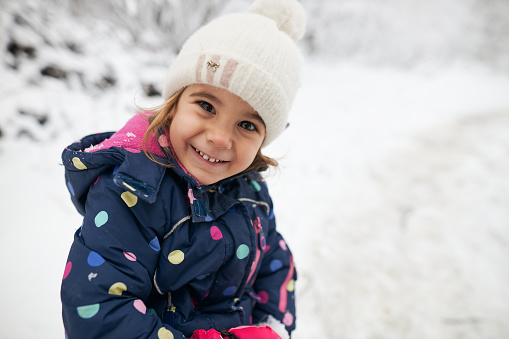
(161, 117)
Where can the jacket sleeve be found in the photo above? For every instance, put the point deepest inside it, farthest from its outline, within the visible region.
(275, 282)
(108, 275)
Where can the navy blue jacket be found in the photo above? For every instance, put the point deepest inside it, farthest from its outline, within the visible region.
(159, 256)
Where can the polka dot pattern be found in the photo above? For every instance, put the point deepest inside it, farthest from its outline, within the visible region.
(229, 291)
(88, 311)
(130, 256)
(154, 244)
(101, 218)
(176, 257)
(291, 286)
(215, 233)
(78, 164)
(264, 297)
(288, 319)
(201, 276)
(129, 198)
(282, 244)
(275, 265)
(163, 333)
(242, 251)
(94, 259)
(117, 288)
(203, 207)
(140, 306)
(67, 270)
(255, 186)
(70, 188)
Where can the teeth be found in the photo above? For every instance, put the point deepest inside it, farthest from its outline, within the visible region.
(206, 157)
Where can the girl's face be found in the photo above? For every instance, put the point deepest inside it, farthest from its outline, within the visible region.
(214, 133)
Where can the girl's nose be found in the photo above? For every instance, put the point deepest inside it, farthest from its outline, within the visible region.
(220, 136)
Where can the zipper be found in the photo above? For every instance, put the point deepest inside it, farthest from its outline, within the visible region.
(169, 312)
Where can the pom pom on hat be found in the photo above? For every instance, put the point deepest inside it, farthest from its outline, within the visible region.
(252, 55)
(288, 15)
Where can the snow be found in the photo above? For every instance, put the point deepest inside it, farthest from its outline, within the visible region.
(392, 190)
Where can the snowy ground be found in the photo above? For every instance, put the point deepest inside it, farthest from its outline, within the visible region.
(393, 193)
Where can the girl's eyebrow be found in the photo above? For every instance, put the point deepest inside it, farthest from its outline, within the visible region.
(207, 95)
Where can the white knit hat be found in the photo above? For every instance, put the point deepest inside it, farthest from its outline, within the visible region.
(253, 55)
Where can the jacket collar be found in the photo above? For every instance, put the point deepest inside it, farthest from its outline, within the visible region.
(140, 175)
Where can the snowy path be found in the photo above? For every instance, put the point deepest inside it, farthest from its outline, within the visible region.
(393, 194)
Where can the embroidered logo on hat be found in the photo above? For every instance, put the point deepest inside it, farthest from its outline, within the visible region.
(212, 65)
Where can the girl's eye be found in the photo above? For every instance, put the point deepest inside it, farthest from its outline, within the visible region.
(247, 125)
(207, 107)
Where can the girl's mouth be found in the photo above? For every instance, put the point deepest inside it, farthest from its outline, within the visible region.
(206, 157)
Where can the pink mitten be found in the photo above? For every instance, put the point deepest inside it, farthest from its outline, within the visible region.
(254, 332)
(210, 334)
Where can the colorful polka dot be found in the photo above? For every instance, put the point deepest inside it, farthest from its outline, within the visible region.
(130, 256)
(288, 319)
(94, 259)
(154, 244)
(163, 333)
(291, 286)
(152, 312)
(140, 306)
(230, 291)
(67, 270)
(176, 257)
(70, 188)
(255, 186)
(264, 297)
(115, 169)
(215, 233)
(242, 251)
(282, 244)
(129, 198)
(88, 311)
(78, 164)
(117, 288)
(202, 276)
(275, 265)
(101, 218)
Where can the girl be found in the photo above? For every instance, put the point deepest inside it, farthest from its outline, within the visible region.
(178, 238)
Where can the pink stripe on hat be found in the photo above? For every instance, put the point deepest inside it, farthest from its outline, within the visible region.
(228, 71)
(199, 67)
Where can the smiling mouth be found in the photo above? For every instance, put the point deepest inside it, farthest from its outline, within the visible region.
(206, 157)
